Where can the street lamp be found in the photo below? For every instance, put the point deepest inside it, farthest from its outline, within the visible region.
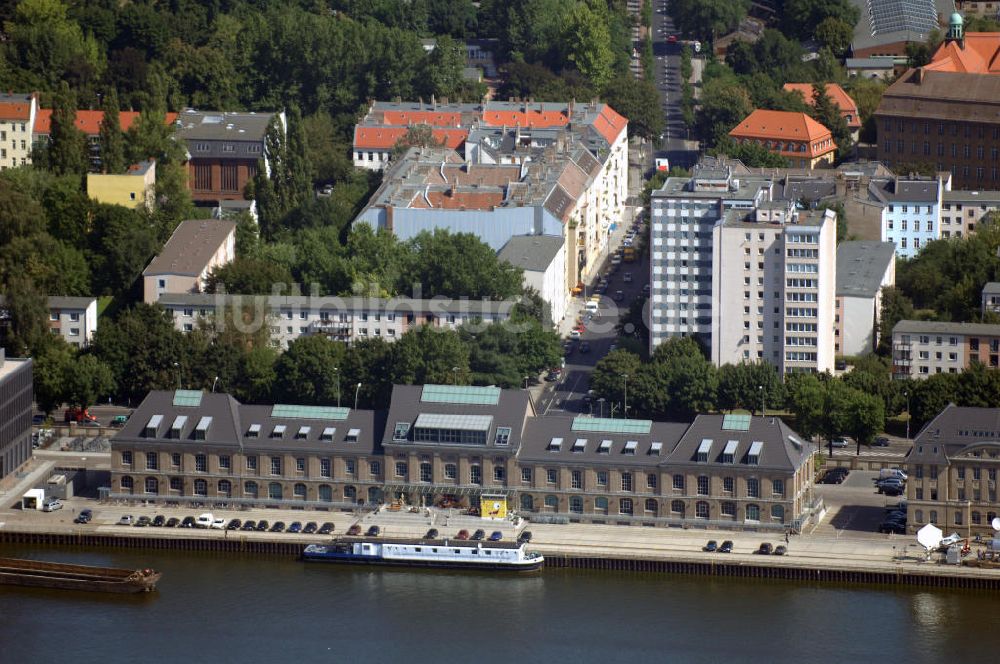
(356, 390)
(454, 375)
(625, 407)
(907, 395)
(761, 388)
(178, 367)
(336, 374)
(214, 382)
(601, 401)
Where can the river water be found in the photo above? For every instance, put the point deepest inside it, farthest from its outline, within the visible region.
(224, 608)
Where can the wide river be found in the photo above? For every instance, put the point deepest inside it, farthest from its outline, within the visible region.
(223, 608)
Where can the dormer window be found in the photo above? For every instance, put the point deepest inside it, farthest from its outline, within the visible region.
(502, 438)
(177, 426)
(580, 445)
(149, 431)
(400, 432)
(278, 431)
(253, 431)
(630, 447)
(753, 456)
(352, 436)
(302, 433)
(655, 448)
(327, 434)
(555, 444)
(201, 431)
(604, 447)
(704, 449)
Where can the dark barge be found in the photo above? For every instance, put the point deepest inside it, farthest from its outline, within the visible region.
(41, 574)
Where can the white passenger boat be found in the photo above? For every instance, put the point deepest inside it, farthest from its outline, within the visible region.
(455, 554)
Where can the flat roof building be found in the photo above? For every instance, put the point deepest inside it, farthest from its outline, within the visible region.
(921, 348)
(16, 387)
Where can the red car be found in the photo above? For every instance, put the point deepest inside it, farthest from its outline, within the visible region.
(672, 39)
(462, 535)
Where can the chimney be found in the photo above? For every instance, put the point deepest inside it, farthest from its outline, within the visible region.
(433, 102)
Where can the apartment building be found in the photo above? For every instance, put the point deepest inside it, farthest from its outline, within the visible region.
(223, 150)
(135, 188)
(713, 233)
(543, 261)
(466, 446)
(962, 210)
(346, 319)
(911, 209)
(72, 318)
(864, 268)
(922, 348)
(16, 381)
(953, 472)
(195, 248)
(991, 298)
(848, 108)
(88, 122)
(17, 120)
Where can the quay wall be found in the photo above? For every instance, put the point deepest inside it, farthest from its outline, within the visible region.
(935, 576)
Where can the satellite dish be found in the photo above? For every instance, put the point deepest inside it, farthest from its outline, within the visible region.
(929, 536)
(995, 523)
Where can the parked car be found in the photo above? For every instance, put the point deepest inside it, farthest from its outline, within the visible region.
(354, 530)
(553, 375)
(431, 534)
(575, 334)
(839, 442)
(142, 522)
(262, 526)
(74, 414)
(672, 39)
(524, 537)
(727, 547)
(954, 538)
(159, 520)
(84, 516)
(278, 527)
(373, 531)
(618, 296)
(218, 524)
(37, 420)
(51, 505)
(627, 277)
(780, 550)
(118, 421)
(310, 528)
(462, 535)
(204, 520)
(125, 520)
(894, 527)
(234, 524)
(496, 536)
(765, 549)
(326, 528)
(172, 522)
(295, 527)
(881, 441)
(711, 547)
(478, 535)
(249, 525)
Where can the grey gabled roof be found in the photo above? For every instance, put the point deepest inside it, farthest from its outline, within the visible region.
(782, 448)
(511, 410)
(991, 288)
(231, 421)
(191, 246)
(944, 327)
(954, 429)
(533, 253)
(69, 302)
(861, 266)
(222, 126)
(540, 431)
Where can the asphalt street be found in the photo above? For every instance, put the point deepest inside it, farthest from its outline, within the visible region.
(668, 80)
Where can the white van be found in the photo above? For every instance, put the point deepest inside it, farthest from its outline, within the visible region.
(204, 520)
(591, 306)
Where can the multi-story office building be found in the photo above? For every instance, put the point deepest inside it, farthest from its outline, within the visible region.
(864, 268)
(346, 319)
(17, 121)
(713, 233)
(15, 413)
(921, 348)
(466, 446)
(945, 113)
(953, 472)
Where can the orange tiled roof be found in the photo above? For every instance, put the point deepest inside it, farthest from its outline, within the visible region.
(610, 124)
(785, 126)
(452, 200)
(525, 119)
(836, 93)
(433, 118)
(384, 138)
(981, 55)
(89, 122)
(15, 110)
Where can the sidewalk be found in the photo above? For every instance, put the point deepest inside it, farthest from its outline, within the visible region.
(11, 490)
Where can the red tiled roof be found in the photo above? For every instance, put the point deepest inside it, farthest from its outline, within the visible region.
(610, 124)
(15, 110)
(433, 118)
(836, 93)
(525, 118)
(784, 126)
(89, 122)
(981, 55)
(451, 200)
(383, 138)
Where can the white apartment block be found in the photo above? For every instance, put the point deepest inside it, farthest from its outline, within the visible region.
(961, 210)
(864, 268)
(17, 122)
(73, 318)
(346, 319)
(753, 277)
(921, 348)
(911, 211)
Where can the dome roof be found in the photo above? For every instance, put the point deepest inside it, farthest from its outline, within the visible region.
(956, 19)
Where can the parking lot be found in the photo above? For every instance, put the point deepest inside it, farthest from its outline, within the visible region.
(854, 508)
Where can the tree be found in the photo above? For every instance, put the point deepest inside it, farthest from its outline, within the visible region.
(19, 214)
(49, 369)
(680, 372)
(86, 380)
(249, 276)
(740, 386)
(588, 44)
(802, 18)
(430, 355)
(608, 380)
(806, 401)
(828, 114)
(865, 417)
(416, 136)
(27, 312)
(123, 242)
(55, 267)
(67, 153)
(633, 322)
(305, 372)
(708, 19)
(895, 307)
(458, 265)
(111, 136)
(639, 102)
(835, 34)
(444, 68)
(723, 106)
(753, 154)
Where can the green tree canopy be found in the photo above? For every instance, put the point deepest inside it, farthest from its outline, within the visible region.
(112, 138)
(305, 372)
